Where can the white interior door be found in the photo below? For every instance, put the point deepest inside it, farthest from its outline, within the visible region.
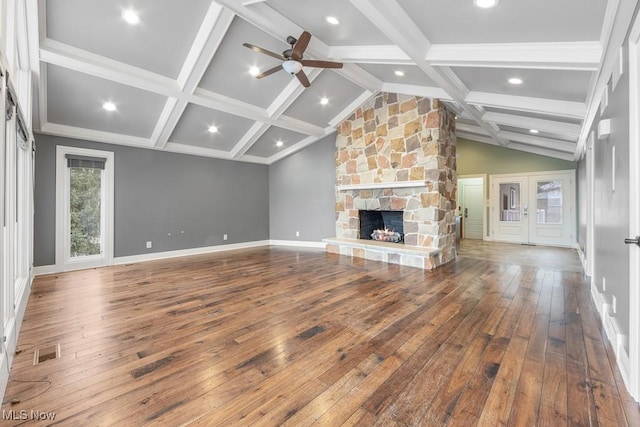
(471, 195)
(509, 208)
(534, 208)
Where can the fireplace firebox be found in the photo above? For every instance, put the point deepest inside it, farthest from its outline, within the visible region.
(384, 226)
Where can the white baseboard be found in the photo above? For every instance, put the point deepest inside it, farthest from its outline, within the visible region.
(583, 257)
(51, 269)
(186, 252)
(297, 243)
(613, 332)
(44, 269)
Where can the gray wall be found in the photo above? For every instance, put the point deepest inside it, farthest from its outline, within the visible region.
(478, 158)
(612, 207)
(158, 193)
(302, 196)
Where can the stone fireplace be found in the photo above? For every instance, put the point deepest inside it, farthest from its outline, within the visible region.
(397, 153)
(381, 225)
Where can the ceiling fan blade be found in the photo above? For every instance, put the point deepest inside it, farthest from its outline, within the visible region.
(303, 78)
(269, 72)
(301, 45)
(320, 64)
(264, 51)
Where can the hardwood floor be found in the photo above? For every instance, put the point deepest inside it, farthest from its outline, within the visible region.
(297, 336)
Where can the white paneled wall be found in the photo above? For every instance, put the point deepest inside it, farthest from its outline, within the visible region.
(16, 179)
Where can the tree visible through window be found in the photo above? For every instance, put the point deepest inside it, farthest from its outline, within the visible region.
(85, 209)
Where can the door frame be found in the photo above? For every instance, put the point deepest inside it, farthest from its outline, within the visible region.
(634, 210)
(485, 200)
(62, 200)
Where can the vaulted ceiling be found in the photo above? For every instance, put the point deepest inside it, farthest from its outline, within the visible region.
(182, 69)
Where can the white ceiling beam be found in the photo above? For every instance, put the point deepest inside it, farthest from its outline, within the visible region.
(297, 147)
(551, 144)
(553, 56)
(542, 151)
(95, 135)
(469, 128)
(392, 20)
(570, 130)
(274, 111)
(475, 137)
(516, 146)
(208, 152)
(290, 93)
(349, 109)
(213, 28)
(523, 103)
(426, 91)
(250, 137)
(229, 105)
(360, 77)
(56, 53)
(384, 54)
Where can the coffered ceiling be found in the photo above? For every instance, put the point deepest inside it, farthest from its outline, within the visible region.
(182, 71)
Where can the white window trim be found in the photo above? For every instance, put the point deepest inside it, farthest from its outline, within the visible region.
(62, 200)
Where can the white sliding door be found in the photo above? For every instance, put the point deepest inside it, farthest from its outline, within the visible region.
(534, 208)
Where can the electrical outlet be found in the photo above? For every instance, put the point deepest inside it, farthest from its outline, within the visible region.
(604, 284)
(225, 237)
(614, 304)
(297, 234)
(149, 244)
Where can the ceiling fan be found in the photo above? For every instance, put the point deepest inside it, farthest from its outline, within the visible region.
(293, 59)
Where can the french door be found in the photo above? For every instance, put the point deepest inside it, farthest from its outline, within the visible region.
(534, 208)
(84, 208)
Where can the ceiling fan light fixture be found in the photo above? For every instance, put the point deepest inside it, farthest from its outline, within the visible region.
(291, 66)
(485, 4)
(254, 71)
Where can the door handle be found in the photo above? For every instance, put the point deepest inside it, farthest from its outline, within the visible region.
(466, 212)
(635, 241)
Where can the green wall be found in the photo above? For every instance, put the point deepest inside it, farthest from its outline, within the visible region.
(477, 158)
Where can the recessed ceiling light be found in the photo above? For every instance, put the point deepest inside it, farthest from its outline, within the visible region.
(213, 129)
(399, 73)
(332, 20)
(130, 16)
(254, 71)
(534, 130)
(109, 106)
(279, 143)
(324, 100)
(485, 3)
(515, 81)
